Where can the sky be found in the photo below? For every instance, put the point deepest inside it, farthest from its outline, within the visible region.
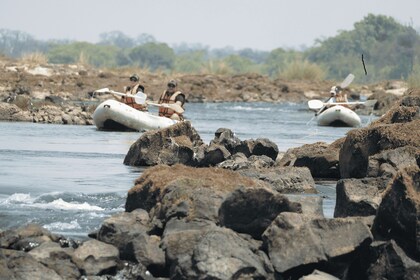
(257, 24)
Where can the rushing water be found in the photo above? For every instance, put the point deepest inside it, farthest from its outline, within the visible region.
(70, 178)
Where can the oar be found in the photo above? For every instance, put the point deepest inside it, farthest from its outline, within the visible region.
(318, 104)
(347, 81)
(140, 98)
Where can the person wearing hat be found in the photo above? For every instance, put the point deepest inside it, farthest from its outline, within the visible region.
(340, 96)
(171, 96)
(133, 89)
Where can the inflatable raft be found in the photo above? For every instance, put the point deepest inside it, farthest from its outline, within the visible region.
(338, 115)
(114, 115)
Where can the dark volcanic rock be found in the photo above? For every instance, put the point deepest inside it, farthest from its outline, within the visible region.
(252, 210)
(398, 214)
(159, 146)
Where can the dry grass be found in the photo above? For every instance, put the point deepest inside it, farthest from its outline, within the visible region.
(216, 178)
(303, 70)
(35, 58)
(413, 80)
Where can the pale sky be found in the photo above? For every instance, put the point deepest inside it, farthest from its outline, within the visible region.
(256, 24)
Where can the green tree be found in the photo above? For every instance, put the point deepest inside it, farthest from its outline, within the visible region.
(153, 56)
(278, 59)
(388, 50)
(96, 55)
(191, 62)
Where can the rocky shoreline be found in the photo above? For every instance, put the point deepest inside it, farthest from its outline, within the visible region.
(63, 94)
(233, 209)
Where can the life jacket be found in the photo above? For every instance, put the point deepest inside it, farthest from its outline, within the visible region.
(168, 99)
(130, 101)
(340, 98)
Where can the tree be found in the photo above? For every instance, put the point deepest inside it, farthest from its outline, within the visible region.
(153, 55)
(116, 38)
(16, 43)
(388, 50)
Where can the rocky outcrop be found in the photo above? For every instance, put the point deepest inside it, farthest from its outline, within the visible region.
(358, 197)
(398, 128)
(399, 212)
(321, 158)
(296, 242)
(171, 145)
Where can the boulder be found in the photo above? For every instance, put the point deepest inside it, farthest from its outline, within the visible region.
(251, 211)
(128, 231)
(171, 145)
(321, 158)
(399, 127)
(398, 214)
(20, 265)
(388, 261)
(296, 242)
(199, 249)
(284, 179)
(388, 162)
(362, 143)
(96, 258)
(358, 197)
(185, 192)
(56, 258)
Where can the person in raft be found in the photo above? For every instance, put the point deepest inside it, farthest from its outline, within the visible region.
(171, 96)
(133, 89)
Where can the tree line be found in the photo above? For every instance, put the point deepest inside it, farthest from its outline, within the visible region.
(377, 48)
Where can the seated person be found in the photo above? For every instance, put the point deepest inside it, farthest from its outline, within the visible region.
(171, 96)
(133, 89)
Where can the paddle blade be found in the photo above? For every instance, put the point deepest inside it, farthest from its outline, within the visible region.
(140, 98)
(102, 90)
(315, 104)
(369, 103)
(347, 81)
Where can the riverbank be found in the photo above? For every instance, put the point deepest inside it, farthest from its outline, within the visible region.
(63, 94)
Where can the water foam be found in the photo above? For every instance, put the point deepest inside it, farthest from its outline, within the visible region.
(62, 226)
(63, 205)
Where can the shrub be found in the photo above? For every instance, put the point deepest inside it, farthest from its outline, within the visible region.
(34, 58)
(303, 70)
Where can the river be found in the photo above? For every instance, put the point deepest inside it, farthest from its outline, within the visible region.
(70, 178)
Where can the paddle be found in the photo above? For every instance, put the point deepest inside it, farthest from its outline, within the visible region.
(140, 98)
(315, 105)
(347, 81)
(318, 104)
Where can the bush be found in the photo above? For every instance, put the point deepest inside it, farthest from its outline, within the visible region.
(34, 58)
(303, 70)
(413, 79)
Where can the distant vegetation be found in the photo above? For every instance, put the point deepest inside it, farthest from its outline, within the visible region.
(390, 51)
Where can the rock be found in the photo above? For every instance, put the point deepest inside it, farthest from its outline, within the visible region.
(318, 275)
(200, 249)
(56, 258)
(11, 112)
(171, 145)
(251, 211)
(96, 258)
(310, 205)
(398, 214)
(388, 162)
(294, 241)
(388, 261)
(213, 155)
(362, 143)
(284, 180)
(358, 197)
(21, 265)
(182, 191)
(321, 158)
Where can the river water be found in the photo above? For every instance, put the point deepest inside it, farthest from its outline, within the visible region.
(70, 178)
